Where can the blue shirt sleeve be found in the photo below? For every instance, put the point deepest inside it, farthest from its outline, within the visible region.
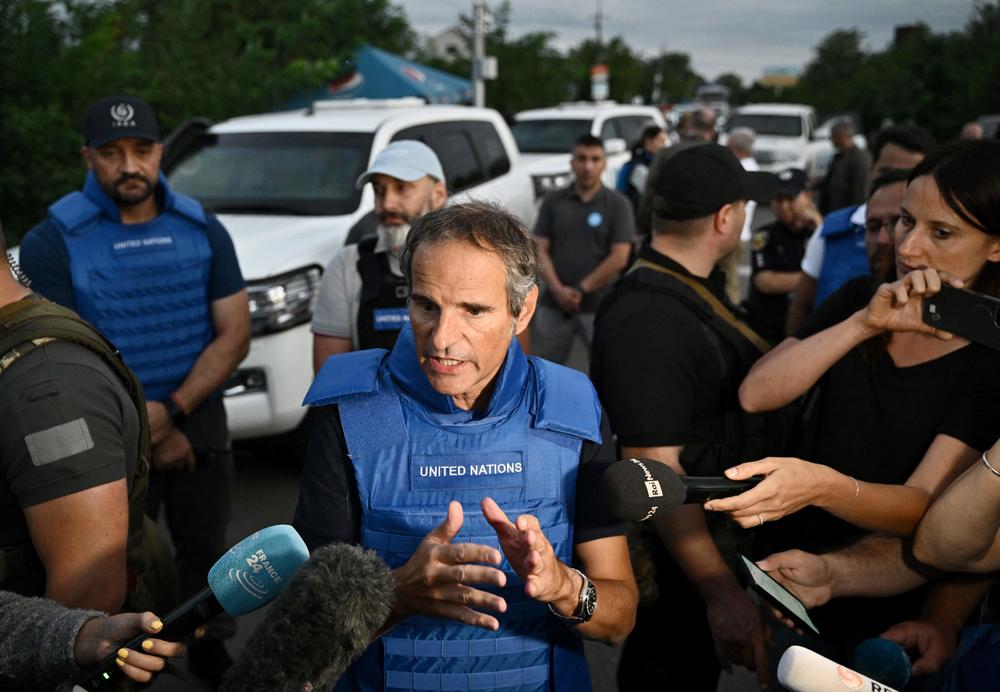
(225, 277)
(45, 259)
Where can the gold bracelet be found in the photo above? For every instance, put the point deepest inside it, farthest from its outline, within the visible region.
(990, 466)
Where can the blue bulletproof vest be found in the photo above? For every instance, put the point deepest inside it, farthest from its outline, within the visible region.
(145, 286)
(413, 451)
(844, 253)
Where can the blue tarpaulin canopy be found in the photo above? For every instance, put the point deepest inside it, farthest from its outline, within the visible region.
(382, 75)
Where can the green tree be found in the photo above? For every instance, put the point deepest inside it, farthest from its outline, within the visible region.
(627, 73)
(678, 78)
(829, 80)
(216, 58)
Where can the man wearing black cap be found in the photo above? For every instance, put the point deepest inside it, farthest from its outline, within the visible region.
(668, 356)
(159, 277)
(776, 252)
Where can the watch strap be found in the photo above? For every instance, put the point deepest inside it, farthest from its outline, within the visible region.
(582, 613)
(174, 410)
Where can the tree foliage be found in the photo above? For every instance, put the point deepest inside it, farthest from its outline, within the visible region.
(220, 58)
(215, 58)
(935, 80)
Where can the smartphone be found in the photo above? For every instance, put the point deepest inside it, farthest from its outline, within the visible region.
(777, 595)
(973, 316)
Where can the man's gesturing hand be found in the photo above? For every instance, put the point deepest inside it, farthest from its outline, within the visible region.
(435, 581)
(529, 552)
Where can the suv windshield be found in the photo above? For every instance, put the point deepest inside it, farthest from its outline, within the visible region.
(307, 173)
(777, 125)
(548, 136)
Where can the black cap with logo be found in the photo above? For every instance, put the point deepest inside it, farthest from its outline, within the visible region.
(700, 180)
(792, 181)
(119, 117)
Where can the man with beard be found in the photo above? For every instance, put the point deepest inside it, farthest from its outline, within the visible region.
(159, 277)
(362, 300)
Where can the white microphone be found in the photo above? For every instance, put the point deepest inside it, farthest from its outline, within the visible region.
(802, 670)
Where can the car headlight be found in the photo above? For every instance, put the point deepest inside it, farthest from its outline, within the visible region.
(545, 184)
(282, 302)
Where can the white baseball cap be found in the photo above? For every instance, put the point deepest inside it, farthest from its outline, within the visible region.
(406, 160)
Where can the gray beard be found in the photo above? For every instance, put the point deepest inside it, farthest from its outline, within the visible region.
(395, 237)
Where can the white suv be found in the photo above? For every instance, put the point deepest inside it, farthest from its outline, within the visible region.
(545, 137)
(283, 185)
(783, 133)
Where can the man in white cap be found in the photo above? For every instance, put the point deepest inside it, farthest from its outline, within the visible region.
(362, 300)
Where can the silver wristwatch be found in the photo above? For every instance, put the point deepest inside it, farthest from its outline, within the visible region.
(587, 605)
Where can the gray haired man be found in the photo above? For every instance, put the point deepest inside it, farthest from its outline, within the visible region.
(455, 418)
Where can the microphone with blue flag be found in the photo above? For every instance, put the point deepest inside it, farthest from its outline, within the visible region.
(249, 576)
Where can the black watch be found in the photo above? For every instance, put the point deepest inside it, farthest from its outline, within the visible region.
(175, 412)
(587, 605)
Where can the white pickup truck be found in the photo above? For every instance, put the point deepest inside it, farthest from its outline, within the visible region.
(283, 184)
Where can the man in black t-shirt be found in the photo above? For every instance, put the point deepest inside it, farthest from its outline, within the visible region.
(68, 454)
(668, 356)
(776, 252)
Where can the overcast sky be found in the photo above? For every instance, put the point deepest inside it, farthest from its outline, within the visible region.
(741, 36)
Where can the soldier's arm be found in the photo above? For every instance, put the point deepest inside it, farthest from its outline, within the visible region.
(81, 541)
(65, 459)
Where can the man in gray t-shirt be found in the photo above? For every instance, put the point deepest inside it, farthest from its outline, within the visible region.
(584, 236)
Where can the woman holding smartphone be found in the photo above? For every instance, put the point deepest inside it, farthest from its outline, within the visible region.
(897, 410)
(903, 409)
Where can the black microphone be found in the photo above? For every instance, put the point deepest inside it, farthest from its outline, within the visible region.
(246, 578)
(634, 489)
(322, 622)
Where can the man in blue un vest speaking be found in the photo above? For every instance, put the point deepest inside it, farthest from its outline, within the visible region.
(472, 470)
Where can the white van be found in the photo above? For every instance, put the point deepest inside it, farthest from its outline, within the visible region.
(283, 184)
(545, 137)
(783, 133)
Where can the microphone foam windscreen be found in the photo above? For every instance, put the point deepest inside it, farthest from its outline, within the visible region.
(256, 569)
(631, 487)
(883, 660)
(322, 622)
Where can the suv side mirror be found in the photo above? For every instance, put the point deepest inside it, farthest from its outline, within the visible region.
(179, 141)
(615, 145)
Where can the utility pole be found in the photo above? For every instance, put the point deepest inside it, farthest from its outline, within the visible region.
(599, 71)
(599, 29)
(479, 51)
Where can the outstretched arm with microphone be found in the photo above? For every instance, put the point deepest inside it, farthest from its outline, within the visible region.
(45, 642)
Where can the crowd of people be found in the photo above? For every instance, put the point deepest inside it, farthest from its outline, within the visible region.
(448, 436)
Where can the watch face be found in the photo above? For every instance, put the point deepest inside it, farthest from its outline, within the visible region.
(589, 603)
